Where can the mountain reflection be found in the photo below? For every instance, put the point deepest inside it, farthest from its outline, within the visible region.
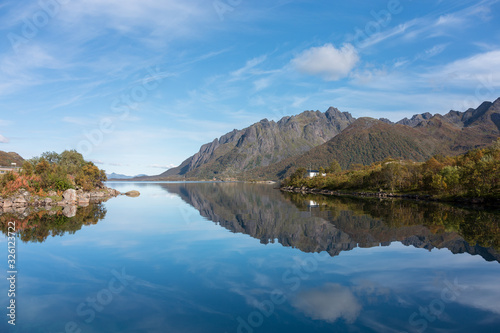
(37, 226)
(314, 223)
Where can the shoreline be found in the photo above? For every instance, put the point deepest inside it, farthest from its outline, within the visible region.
(23, 200)
(385, 195)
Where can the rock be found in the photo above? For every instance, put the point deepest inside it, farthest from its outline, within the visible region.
(52, 193)
(47, 201)
(20, 202)
(113, 192)
(83, 196)
(69, 211)
(133, 194)
(97, 194)
(83, 199)
(69, 195)
(7, 203)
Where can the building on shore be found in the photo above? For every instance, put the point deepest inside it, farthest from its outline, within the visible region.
(12, 167)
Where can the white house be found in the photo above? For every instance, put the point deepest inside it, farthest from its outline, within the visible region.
(5, 169)
(314, 173)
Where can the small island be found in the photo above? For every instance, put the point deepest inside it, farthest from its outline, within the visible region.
(54, 180)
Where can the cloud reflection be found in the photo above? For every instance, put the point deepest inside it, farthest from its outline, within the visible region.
(329, 303)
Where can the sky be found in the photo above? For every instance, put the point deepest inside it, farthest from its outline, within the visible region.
(139, 86)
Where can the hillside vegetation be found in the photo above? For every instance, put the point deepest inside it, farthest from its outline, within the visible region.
(53, 172)
(474, 174)
(7, 158)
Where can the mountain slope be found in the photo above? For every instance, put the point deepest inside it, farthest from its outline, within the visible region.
(369, 140)
(7, 158)
(365, 141)
(262, 144)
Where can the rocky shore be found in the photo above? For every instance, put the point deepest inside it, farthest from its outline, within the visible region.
(307, 190)
(385, 195)
(24, 202)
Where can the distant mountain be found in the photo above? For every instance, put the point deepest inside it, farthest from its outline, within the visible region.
(273, 150)
(7, 158)
(120, 176)
(368, 140)
(262, 144)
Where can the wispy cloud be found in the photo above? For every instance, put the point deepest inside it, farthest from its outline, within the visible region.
(431, 25)
(5, 122)
(479, 69)
(250, 64)
(3, 139)
(162, 166)
(384, 35)
(77, 120)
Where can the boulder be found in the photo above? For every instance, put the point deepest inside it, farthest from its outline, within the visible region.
(133, 193)
(69, 195)
(69, 211)
(47, 201)
(7, 203)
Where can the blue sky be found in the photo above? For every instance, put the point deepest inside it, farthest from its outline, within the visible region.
(138, 86)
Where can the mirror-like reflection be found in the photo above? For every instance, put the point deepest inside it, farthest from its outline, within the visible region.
(157, 263)
(336, 224)
(37, 226)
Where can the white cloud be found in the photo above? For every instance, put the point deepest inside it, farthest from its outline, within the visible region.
(326, 61)
(480, 71)
(162, 166)
(3, 139)
(329, 303)
(483, 63)
(450, 19)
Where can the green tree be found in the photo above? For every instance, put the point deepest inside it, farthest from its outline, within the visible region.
(334, 167)
(51, 156)
(72, 161)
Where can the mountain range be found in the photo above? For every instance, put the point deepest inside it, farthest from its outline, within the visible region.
(262, 144)
(273, 150)
(122, 176)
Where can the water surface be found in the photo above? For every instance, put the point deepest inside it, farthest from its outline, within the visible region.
(219, 257)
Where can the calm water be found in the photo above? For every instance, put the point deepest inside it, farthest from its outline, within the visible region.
(245, 258)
